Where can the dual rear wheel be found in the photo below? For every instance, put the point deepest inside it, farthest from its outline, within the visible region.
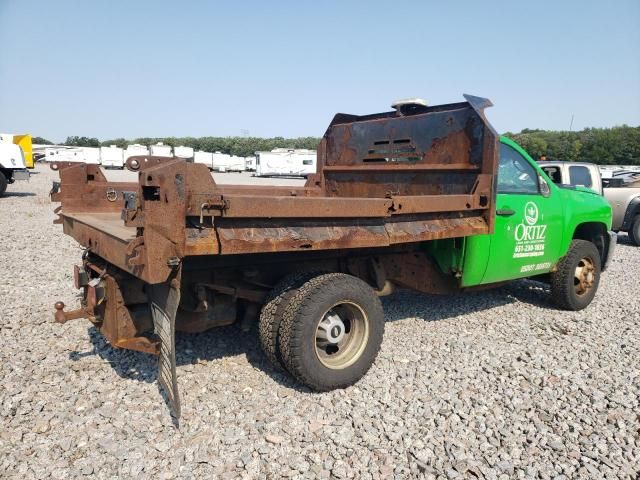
(325, 329)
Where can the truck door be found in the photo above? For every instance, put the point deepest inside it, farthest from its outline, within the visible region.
(528, 227)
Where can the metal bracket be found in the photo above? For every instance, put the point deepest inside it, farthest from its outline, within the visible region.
(57, 211)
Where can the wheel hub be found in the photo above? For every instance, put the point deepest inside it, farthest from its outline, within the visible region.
(341, 335)
(584, 276)
(331, 330)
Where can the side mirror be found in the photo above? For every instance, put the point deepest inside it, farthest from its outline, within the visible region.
(544, 186)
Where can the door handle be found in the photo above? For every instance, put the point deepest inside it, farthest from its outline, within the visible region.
(505, 212)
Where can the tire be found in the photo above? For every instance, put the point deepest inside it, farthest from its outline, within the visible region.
(3, 184)
(634, 231)
(315, 362)
(272, 310)
(572, 289)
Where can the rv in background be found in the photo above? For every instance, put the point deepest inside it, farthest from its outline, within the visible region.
(204, 157)
(135, 150)
(183, 152)
(227, 163)
(161, 150)
(237, 164)
(91, 155)
(286, 162)
(250, 164)
(72, 154)
(112, 157)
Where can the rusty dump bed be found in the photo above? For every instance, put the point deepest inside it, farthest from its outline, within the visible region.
(405, 176)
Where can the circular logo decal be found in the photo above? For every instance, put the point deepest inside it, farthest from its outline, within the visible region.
(531, 213)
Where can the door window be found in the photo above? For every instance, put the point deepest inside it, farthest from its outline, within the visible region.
(580, 175)
(515, 174)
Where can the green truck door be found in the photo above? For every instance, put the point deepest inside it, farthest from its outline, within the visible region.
(528, 228)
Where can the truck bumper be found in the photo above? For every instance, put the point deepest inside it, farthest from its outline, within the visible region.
(611, 246)
(21, 174)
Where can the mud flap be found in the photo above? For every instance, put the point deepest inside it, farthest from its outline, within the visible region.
(165, 298)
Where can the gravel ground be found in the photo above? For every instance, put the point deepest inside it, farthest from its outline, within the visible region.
(495, 384)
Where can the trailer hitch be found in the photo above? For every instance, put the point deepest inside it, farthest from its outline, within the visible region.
(63, 317)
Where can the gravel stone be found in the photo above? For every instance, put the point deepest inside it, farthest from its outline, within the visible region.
(493, 384)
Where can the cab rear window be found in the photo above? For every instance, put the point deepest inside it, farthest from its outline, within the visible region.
(580, 175)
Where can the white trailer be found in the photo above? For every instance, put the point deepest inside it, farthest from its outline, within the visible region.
(133, 150)
(60, 153)
(112, 157)
(204, 157)
(228, 163)
(250, 164)
(161, 150)
(90, 155)
(237, 164)
(286, 162)
(183, 152)
(52, 154)
(220, 161)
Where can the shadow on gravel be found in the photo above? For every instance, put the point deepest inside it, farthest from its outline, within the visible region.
(9, 193)
(231, 341)
(191, 349)
(407, 303)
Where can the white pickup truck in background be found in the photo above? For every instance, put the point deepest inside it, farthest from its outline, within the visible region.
(12, 165)
(621, 189)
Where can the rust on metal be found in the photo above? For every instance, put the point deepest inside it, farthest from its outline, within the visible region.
(385, 181)
(385, 175)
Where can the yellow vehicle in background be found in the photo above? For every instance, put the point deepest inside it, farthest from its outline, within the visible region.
(24, 141)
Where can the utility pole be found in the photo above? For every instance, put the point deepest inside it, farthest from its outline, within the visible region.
(571, 124)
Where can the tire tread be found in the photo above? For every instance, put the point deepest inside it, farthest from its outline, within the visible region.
(318, 290)
(562, 279)
(272, 310)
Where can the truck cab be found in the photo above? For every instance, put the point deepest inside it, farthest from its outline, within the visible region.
(537, 220)
(12, 165)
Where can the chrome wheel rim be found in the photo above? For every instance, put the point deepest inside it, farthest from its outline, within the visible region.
(341, 335)
(584, 276)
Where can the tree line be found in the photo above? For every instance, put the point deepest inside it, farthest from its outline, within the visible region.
(609, 146)
(606, 146)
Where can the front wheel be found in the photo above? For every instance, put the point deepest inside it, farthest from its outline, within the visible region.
(634, 231)
(331, 331)
(575, 282)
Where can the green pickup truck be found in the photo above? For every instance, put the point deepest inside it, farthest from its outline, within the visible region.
(542, 228)
(422, 197)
